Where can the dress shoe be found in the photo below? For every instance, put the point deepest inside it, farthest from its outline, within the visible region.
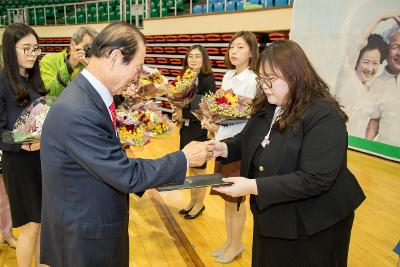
(218, 252)
(183, 211)
(229, 259)
(11, 241)
(190, 217)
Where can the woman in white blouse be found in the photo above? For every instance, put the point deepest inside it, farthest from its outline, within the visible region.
(241, 58)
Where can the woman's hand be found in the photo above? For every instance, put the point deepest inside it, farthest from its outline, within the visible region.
(211, 127)
(34, 146)
(177, 115)
(241, 186)
(132, 90)
(219, 149)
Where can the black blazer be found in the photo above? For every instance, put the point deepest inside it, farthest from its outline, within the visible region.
(9, 111)
(304, 176)
(206, 85)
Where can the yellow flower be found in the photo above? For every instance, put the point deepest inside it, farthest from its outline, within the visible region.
(233, 99)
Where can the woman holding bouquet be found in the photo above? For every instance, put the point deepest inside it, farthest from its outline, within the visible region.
(294, 155)
(241, 58)
(191, 130)
(20, 84)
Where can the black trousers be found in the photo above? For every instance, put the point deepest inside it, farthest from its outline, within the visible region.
(328, 248)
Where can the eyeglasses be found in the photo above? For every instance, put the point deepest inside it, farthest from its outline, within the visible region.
(261, 81)
(31, 51)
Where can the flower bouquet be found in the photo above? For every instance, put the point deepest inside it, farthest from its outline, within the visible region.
(182, 90)
(153, 120)
(130, 135)
(151, 83)
(224, 107)
(129, 131)
(28, 126)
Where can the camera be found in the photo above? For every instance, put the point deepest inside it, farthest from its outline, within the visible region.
(87, 48)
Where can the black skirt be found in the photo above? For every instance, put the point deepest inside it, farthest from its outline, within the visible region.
(23, 182)
(193, 132)
(328, 248)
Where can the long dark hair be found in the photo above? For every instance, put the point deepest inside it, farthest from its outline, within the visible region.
(12, 34)
(206, 67)
(288, 61)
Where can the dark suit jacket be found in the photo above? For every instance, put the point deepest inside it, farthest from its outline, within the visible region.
(304, 176)
(86, 181)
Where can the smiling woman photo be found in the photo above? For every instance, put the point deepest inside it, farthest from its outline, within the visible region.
(361, 65)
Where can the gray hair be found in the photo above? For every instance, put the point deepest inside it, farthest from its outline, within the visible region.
(389, 33)
(82, 31)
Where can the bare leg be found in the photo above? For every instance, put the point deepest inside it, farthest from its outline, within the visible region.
(191, 203)
(5, 215)
(228, 225)
(237, 221)
(37, 252)
(26, 245)
(197, 194)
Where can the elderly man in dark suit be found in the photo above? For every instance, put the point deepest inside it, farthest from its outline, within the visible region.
(86, 174)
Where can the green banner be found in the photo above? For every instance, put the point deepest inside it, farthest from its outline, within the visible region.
(375, 148)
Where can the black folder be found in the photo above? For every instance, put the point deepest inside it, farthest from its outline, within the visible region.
(197, 181)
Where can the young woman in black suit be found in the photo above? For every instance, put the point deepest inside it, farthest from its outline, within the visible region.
(196, 59)
(293, 155)
(20, 84)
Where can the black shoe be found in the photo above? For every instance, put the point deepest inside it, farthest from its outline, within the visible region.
(183, 211)
(190, 217)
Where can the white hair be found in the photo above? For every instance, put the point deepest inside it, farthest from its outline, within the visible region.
(389, 33)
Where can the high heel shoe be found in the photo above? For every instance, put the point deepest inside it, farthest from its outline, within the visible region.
(11, 241)
(224, 260)
(183, 211)
(218, 252)
(190, 217)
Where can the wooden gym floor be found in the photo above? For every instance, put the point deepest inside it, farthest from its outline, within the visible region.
(159, 236)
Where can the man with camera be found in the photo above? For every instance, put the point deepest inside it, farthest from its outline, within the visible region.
(58, 69)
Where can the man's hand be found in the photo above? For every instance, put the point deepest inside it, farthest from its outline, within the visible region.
(219, 149)
(241, 186)
(77, 55)
(197, 153)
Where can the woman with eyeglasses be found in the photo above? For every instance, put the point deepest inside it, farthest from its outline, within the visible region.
(196, 59)
(293, 155)
(241, 60)
(20, 84)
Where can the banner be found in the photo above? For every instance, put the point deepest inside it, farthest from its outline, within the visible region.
(355, 47)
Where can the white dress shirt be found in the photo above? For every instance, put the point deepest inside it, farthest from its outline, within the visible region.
(100, 88)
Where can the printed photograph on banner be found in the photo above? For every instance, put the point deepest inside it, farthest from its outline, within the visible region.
(367, 85)
(356, 49)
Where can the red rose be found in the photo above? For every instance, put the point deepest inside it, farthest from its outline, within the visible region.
(222, 100)
(130, 127)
